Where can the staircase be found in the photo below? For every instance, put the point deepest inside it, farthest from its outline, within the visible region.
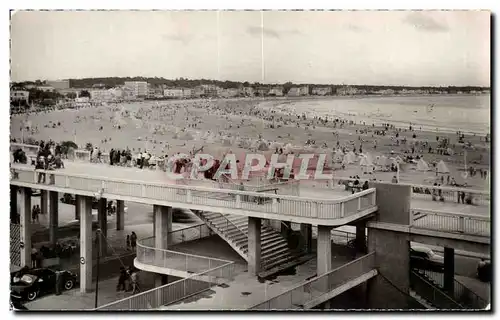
(234, 230)
(429, 293)
(461, 295)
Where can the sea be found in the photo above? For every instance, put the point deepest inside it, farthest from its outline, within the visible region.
(439, 113)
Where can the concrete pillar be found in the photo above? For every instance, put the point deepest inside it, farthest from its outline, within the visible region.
(120, 215)
(25, 224)
(449, 269)
(254, 229)
(393, 201)
(162, 223)
(44, 201)
(361, 237)
(53, 216)
(306, 233)
(85, 205)
(286, 229)
(77, 207)
(324, 249)
(102, 223)
(13, 204)
(390, 289)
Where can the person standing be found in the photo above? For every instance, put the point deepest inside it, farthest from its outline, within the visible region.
(121, 280)
(128, 242)
(133, 240)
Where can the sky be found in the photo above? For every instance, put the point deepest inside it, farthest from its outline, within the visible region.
(412, 48)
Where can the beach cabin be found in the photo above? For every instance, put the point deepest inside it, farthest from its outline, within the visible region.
(422, 165)
(442, 167)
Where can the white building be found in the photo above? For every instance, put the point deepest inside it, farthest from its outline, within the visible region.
(139, 88)
(276, 91)
(19, 95)
(173, 93)
(322, 91)
(106, 95)
(347, 91)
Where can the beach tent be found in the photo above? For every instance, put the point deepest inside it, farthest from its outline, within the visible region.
(338, 156)
(382, 161)
(369, 158)
(442, 168)
(365, 162)
(351, 157)
(422, 165)
(398, 159)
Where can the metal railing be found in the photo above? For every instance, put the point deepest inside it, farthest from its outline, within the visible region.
(175, 291)
(311, 289)
(148, 253)
(431, 293)
(461, 294)
(467, 297)
(198, 231)
(450, 194)
(470, 224)
(447, 193)
(234, 199)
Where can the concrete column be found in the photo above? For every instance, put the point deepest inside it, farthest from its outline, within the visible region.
(85, 205)
(44, 201)
(393, 203)
(102, 223)
(120, 211)
(286, 228)
(324, 250)
(77, 207)
(449, 269)
(53, 216)
(254, 229)
(306, 233)
(361, 237)
(13, 204)
(162, 223)
(390, 289)
(25, 224)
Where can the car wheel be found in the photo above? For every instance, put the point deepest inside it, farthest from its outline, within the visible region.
(32, 295)
(69, 284)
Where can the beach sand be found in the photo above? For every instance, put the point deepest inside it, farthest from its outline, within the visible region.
(168, 127)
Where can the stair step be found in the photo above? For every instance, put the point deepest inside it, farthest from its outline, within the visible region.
(279, 252)
(270, 236)
(274, 248)
(272, 243)
(283, 260)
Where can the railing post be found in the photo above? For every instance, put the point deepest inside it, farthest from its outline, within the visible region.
(188, 196)
(66, 181)
(275, 205)
(461, 224)
(143, 190)
(359, 203)
(238, 201)
(342, 209)
(34, 177)
(412, 217)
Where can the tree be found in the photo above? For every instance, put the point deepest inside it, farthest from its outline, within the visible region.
(84, 93)
(287, 86)
(71, 95)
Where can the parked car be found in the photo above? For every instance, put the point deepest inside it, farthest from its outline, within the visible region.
(32, 283)
(425, 258)
(484, 270)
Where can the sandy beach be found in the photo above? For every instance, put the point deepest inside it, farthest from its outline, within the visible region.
(244, 125)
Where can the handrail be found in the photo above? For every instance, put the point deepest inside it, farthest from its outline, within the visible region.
(436, 289)
(452, 214)
(300, 285)
(196, 188)
(159, 289)
(475, 297)
(140, 244)
(232, 224)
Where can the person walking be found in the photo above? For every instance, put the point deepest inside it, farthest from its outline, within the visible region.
(121, 280)
(134, 277)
